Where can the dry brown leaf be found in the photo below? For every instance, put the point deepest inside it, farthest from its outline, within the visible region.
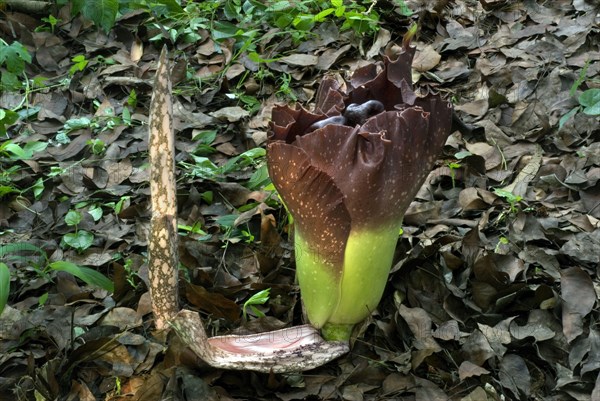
(426, 59)
(302, 60)
(514, 375)
(468, 369)
(231, 114)
(579, 297)
(137, 50)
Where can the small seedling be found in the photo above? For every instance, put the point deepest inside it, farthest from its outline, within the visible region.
(50, 20)
(132, 276)
(79, 64)
(80, 240)
(511, 198)
(589, 100)
(97, 146)
(502, 241)
(260, 298)
(453, 166)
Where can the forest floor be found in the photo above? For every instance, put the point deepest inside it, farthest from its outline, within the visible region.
(494, 290)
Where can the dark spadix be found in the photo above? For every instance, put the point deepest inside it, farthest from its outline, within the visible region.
(347, 171)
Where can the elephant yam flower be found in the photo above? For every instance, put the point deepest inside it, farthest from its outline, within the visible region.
(347, 172)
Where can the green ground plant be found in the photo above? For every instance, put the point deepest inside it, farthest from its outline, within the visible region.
(27, 258)
(80, 240)
(512, 199)
(589, 100)
(13, 58)
(260, 298)
(238, 19)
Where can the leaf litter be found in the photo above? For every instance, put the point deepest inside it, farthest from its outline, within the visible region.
(494, 294)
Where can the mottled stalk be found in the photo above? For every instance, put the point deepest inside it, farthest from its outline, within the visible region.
(162, 244)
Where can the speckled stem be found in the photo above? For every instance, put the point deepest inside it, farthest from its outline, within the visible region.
(162, 243)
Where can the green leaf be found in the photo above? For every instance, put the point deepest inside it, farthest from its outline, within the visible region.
(38, 188)
(14, 57)
(257, 299)
(22, 153)
(4, 286)
(79, 64)
(73, 218)
(76, 123)
(18, 248)
(76, 6)
(6, 189)
(16, 151)
(119, 206)
(303, 22)
(508, 196)
(205, 137)
(227, 220)
(43, 299)
(102, 12)
(87, 275)
(168, 7)
(320, 17)
(126, 115)
(81, 240)
(207, 197)
(62, 138)
(280, 6)
(462, 154)
(10, 81)
(404, 9)
(243, 160)
(204, 168)
(590, 100)
(8, 117)
(580, 79)
(96, 212)
(34, 147)
(259, 178)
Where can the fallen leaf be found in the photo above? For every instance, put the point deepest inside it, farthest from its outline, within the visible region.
(468, 369)
(231, 114)
(514, 375)
(300, 59)
(579, 297)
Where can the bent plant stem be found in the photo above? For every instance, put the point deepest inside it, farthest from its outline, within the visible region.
(287, 350)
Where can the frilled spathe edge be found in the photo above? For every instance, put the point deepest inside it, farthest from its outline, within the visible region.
(377, 167)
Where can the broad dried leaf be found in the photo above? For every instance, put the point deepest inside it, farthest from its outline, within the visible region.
(468, 369)
(514, 375)
(579, 297)
(300, 59)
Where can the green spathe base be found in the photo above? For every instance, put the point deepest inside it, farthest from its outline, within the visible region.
(341, 296)
(367, 263)
(319, 281)
(337, 332)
